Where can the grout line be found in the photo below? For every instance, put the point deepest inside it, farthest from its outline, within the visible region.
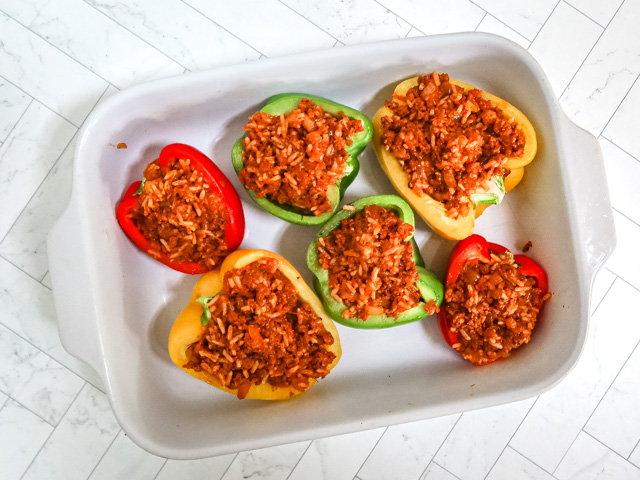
(17, 267)
(435, 454)
(543, 24)
(609, 388)
(21, 115)
(507, 445)
(53, 166)
(620, 104)
(611, 450)
(298, 462)
(106, 450)
(583, 14)
(637, 445)
(28, 342)
(508, 27)
(308, 20)
(604, 296)
(372, 449)
(221, 27)
(59, 50)
(401, 18)
(160, 469)
(618, 146)
(625, 216)
(53, 431)
(168, 57)
(29, 410)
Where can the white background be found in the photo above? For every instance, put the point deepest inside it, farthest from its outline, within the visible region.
(59, 58)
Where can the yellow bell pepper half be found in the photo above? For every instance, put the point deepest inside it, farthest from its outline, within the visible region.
(188, 329)
(432, 211)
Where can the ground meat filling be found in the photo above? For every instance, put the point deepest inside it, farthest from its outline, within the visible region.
(450, 142)
(370, 264)
(180, 216)
(293, 158)
(261, 332)
(493, 307)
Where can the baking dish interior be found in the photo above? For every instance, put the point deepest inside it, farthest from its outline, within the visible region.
(384, 377)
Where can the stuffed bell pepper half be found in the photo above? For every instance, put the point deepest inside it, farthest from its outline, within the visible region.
(185, 213)
(255, 329)
(368, 270)
(492, 300)
(299, 155)
(451, 150)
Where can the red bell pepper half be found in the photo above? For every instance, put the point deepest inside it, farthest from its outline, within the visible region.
(217, 182)
(475, 248)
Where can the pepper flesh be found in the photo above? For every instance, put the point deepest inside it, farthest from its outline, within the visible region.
(188, 327)
(285, 103)
(216, 181)
(430, 287)
(432, 211)
(476, 248)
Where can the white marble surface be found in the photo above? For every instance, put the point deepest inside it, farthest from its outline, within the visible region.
(59, 58)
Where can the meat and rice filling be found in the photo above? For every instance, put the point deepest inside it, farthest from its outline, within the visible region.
(180, 216)
(493, 307)
(449, 141)
(261, 332)
(370, 264)
(293, 158)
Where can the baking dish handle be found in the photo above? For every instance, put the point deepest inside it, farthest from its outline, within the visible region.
(592, 206)
(68, 268)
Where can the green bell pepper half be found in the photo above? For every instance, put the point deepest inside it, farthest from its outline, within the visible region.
(430, 287)
(285, 103)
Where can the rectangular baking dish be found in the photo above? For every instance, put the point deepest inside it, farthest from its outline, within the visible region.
(115, 305)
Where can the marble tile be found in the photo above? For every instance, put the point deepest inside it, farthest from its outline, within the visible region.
(625, 260)
(162, 24)
(559, 414)
(432, 17)
(79, 441)
(490, 24)
(523, 16)
(623, 178)
(599, 11)
(484, 432)
(3, 399)
(416, 443)
(34, 379)
(270, 37)
(588, 459)
(27, 309)
(620, 129)
(436, 472)
(561, 64)
(352, 21)
(47, 74)
(22, 434)
(512, 465)
(210, 468)
(26, 157)
(13, 103)
(607, 73)
(100, 44)
(601, 286)
(337, 458)
(124, 459)
(616, 420)
(25, 244)
(274, 463)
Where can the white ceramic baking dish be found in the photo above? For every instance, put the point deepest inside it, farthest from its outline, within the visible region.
(115, 305)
